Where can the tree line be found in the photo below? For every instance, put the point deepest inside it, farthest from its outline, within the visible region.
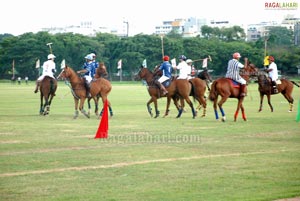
(220, 44)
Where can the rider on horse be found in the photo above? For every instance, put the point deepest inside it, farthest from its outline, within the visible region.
(273, 73)
(48, 70)
(233, 72)
(88, 69)
(166, 68)
(193, 70)
(184, 69)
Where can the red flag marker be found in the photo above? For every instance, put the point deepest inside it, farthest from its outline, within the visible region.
(102, 131)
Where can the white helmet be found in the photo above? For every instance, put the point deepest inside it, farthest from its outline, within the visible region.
(89, 57)
(189, 61)
(51, 56)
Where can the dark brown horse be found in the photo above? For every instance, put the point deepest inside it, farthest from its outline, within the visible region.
(265, 88)
(177, 88)
(98, 87)
(204, 75)
(224, 88)
(48, 88)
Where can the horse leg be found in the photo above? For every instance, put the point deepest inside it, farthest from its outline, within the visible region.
(110, 109)
(82, 109)
(41, 105)
(243, 112)
(181, 109)
(240, 100)
(168, 105)
(188, 100)
(202, 102)
(215, 108)
(96, 101)
(269, 102)
(76, 108)
(89, 106)
(104, 98)
(221, 102)
(50, 101)
(290, 99)
(46, 105)
(261, 102)
(149, 106)
(156, 108)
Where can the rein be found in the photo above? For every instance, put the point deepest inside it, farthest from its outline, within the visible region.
(72, 90)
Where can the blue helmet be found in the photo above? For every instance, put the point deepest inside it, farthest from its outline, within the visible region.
(182, 57)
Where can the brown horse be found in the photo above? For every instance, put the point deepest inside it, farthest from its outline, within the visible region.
(48, 88)
(265, 88)
(224, 88)
(198, 88)
(101, 72)
(177, 88)
(98, 87)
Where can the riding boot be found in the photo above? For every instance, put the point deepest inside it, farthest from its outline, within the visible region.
(275, 90)
(243, 90)
(164, 89)
(37, 86)
(161, 87)
(87, 87)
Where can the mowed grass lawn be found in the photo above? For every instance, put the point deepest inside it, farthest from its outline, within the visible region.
(55, 157)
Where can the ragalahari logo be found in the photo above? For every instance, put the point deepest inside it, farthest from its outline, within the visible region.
(281, 5)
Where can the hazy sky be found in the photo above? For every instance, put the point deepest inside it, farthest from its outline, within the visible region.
(20, 16)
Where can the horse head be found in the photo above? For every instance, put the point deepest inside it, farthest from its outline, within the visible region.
(142, 72)
(68, 73)
(62, 74)
(101, 71)
(249, 70)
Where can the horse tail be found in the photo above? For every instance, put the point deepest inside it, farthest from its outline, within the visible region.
(295, 83)
(213, 92)
(193, 91)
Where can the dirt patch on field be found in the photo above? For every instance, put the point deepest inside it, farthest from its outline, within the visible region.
(289, 199)
(12, 142)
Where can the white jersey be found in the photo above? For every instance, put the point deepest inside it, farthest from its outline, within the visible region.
(274, 73)
(184, 70)
(48, 68)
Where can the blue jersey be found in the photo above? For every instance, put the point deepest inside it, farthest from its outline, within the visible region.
(167, 69)
(94, 68)
(90, 69)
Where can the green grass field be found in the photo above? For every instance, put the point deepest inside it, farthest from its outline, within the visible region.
(55, 157)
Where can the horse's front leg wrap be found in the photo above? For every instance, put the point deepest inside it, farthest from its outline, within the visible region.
(216, 114)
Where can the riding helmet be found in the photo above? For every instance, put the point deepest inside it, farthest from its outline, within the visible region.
(182, 57)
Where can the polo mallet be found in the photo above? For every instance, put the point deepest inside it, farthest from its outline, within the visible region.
(50, 48)
(209, 58)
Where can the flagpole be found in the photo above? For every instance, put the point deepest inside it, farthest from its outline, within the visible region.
(162, 46)
(13, 69)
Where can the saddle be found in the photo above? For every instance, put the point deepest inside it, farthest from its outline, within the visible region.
(168, 82)
(234, 83)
